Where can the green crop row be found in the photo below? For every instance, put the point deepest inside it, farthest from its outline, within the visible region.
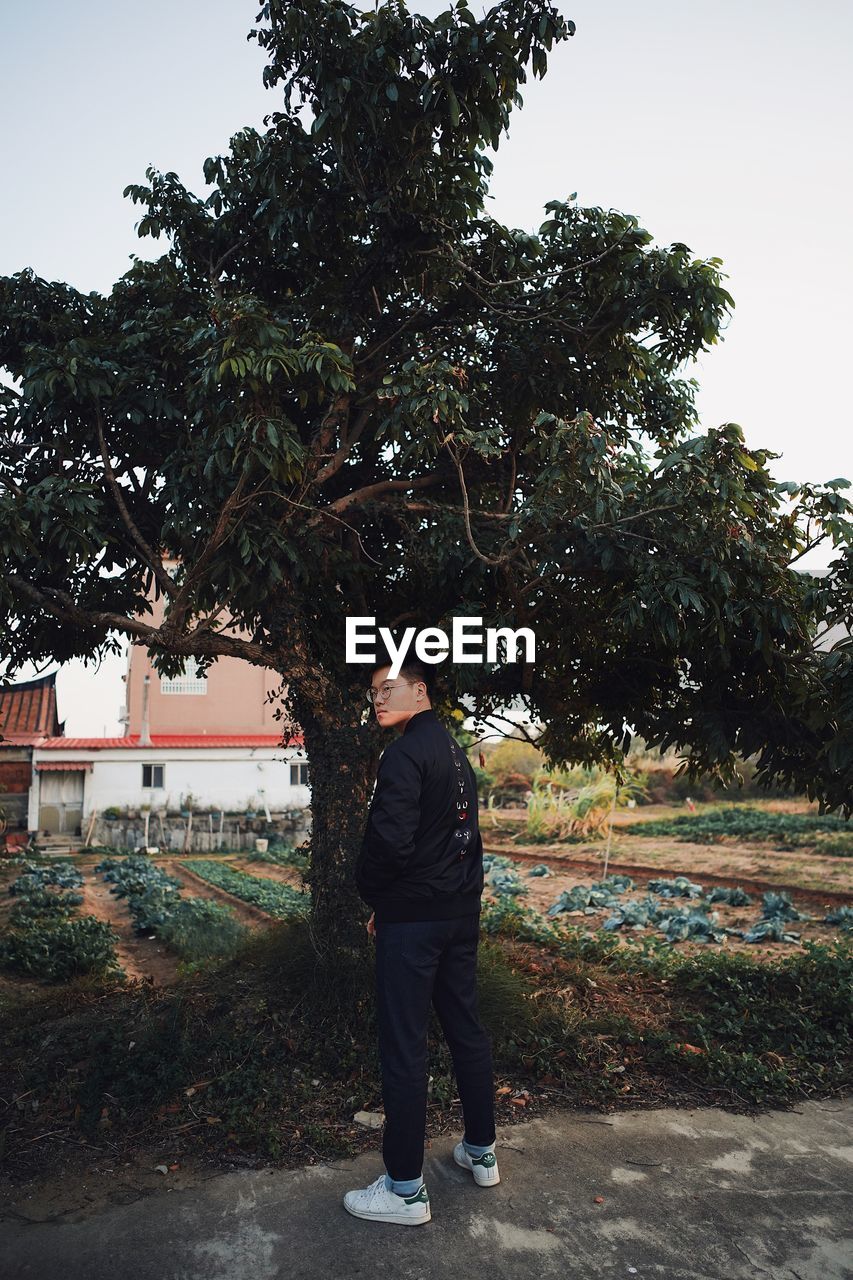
(194, 928)
(278, 900)
(746, 823)
(36, 876)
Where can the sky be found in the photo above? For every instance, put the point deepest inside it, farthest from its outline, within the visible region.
(723, 126)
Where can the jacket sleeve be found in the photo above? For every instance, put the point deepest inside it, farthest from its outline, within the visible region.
(393, 820)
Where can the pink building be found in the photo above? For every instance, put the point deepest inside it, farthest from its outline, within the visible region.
(232, 699)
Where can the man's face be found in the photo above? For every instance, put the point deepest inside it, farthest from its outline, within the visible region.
(404, 699)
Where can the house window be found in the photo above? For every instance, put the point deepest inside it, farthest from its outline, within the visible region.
(152, 775)
(299, 775)
(188, 682)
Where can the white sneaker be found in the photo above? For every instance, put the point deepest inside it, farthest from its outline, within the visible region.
(378, 1204)
(484, 1167)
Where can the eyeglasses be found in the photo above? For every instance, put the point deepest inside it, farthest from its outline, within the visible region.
(384, 691)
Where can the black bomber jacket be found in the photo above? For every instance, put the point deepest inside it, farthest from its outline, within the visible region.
(421, 856)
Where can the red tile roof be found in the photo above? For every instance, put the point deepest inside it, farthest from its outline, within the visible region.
(28, 711)
(170, 740)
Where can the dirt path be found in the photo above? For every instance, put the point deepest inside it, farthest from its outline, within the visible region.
(140, 957)
(798, 868)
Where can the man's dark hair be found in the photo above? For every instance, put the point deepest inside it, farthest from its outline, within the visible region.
(412, 669)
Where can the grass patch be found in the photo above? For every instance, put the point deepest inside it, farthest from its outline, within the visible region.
(198, 930)
(836, 846)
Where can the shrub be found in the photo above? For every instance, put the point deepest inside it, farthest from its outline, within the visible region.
(35, 876)
(41, 905)
(582, 814)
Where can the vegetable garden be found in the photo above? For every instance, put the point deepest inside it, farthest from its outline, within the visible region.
(627, 985)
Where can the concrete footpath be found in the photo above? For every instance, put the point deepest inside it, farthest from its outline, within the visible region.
(698, 1195)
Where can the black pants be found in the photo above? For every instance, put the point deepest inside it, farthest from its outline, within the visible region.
(419, 962)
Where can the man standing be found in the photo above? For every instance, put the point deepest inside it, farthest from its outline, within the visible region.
(421, 869)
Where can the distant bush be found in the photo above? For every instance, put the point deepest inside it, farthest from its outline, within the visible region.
(581, 813)
(663, 785)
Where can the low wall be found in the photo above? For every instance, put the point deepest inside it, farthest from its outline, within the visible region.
(237, 833)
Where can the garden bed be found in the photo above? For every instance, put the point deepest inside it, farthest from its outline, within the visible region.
(543, 892)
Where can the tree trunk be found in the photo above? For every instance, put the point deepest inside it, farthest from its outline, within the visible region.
(343, 756)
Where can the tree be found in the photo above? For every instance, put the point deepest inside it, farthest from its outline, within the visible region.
(346, 389)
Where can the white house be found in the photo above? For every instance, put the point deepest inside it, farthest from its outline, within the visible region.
(73, 777)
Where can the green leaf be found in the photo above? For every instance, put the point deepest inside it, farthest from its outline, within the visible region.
(454, 106)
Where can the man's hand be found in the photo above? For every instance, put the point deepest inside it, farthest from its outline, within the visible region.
(371, 927)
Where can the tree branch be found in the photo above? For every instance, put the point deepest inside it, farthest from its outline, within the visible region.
(325, 511)
(180, 604)
(153, 561)
(525, 736)
(511, 493)
(809, 547)
(534, 275)
(466, 511)
(372, 490)
(197, 643)
(340, 457)
(444, 508)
